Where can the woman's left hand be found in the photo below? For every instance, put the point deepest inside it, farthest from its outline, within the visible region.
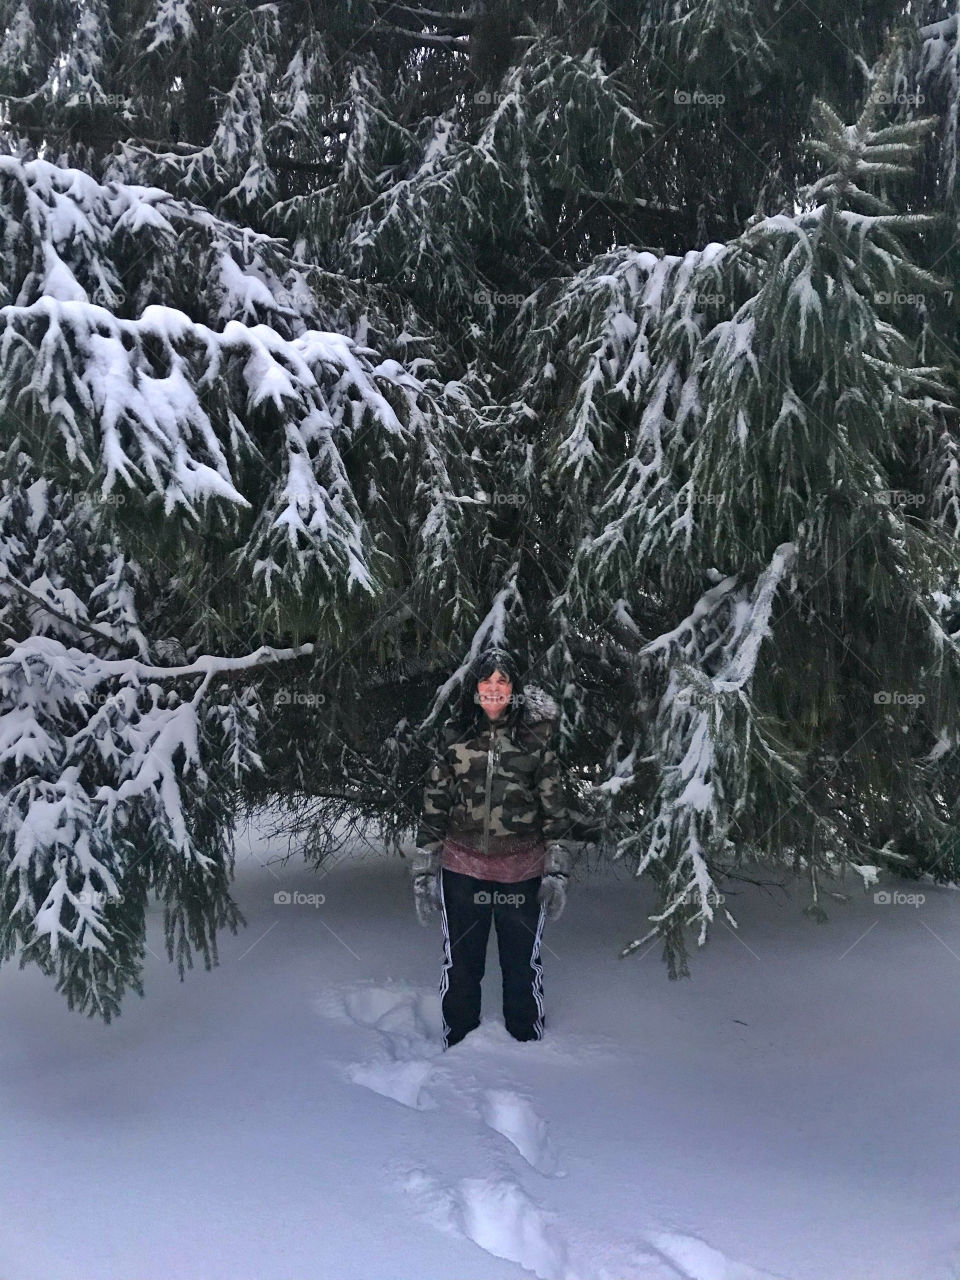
(552, 894)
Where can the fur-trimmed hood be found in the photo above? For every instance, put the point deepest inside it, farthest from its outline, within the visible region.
(538, 705)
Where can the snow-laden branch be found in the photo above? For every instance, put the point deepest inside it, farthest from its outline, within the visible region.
(185, 414)
(95, 669)
(119, 758)
(701, 758)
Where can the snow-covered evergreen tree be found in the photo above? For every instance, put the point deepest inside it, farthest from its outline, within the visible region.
(203, 479)
(337, 340)
(768, 548)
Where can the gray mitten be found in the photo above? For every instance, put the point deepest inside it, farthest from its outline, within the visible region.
(425, 872)
(552, 894)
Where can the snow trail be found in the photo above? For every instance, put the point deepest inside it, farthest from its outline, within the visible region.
(494, 1209)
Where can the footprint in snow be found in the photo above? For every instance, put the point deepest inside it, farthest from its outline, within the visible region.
(401, 1016)
(402, 1081)
(497, 1215)
(403, 1012)
(511, 1115)
(697, 1260)
(397, 1005)
(403, 1022)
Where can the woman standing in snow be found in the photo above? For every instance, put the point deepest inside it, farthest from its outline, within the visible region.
(489, 845)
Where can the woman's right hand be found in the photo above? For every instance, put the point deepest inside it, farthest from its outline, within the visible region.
(426, 885)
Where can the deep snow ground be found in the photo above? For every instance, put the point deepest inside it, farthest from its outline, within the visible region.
(789, 1112)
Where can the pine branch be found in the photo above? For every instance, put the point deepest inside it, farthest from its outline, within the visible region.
(8, 579)
(419, 39)
(208, 666)
(463, 23)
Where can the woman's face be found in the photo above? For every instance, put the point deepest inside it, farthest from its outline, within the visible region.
(494, 693)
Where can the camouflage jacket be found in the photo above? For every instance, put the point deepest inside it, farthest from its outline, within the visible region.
(492, 788)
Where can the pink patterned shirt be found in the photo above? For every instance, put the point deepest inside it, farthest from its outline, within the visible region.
(513, 860)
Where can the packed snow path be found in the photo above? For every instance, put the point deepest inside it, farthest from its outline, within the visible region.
(789, 1114)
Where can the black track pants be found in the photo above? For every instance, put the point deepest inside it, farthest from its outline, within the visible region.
(467, 905)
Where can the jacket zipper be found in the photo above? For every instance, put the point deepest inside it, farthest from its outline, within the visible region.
(493, 754)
